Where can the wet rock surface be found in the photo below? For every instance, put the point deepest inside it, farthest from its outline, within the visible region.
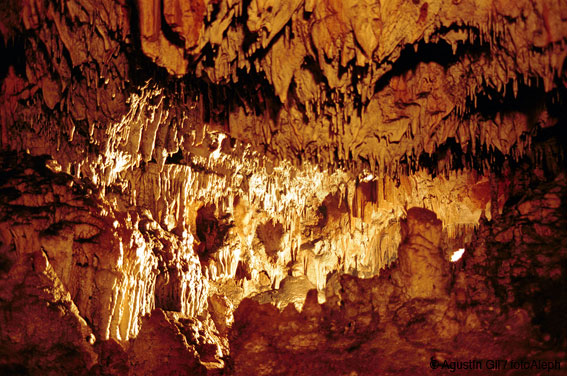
(398, 323)
(277, 187)
(352, 85)
(151, 310)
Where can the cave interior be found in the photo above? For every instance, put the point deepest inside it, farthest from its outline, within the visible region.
(283, 187)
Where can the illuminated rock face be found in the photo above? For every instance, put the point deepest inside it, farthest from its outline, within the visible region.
(115, 266)
(423, 266)
(397, 324)
(354, 85)
(277, 187)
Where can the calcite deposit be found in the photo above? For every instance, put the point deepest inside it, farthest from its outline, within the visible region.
(278, 187)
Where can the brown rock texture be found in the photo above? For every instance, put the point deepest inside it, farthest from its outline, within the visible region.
(423, 267)
(162, 349)
(378, 327)
(94, 270)
(42, 329)
(353, 85)
(277, 187)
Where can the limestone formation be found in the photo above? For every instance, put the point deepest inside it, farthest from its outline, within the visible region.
(277, 187)
(423, 267)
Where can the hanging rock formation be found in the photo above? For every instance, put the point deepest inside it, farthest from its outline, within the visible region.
(278, 186)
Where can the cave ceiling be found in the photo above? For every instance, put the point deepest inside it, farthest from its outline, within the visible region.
(356, 85)
(185, 155)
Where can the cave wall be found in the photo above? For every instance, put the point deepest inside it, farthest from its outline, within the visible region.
(508, 285)
(169, 167)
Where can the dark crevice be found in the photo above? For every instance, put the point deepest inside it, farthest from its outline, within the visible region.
(13, 52)
(210, 230)
(409, 59)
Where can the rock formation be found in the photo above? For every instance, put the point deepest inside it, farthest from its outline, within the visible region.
(277, 187)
